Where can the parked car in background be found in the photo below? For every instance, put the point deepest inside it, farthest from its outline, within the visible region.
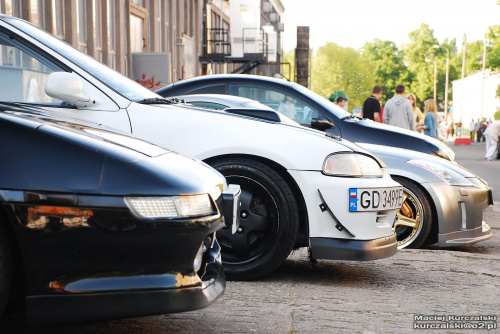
(311, 110)
(443, 202)
(300, 188)
(98, 225)
(433, 189)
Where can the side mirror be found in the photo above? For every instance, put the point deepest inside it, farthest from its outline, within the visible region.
(321, 124)
(67, 87)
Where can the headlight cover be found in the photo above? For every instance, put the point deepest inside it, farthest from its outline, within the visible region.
(447, 175)
(351, 165)
(170, 207)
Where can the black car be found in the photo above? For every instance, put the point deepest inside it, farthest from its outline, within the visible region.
(310, 110)
(98, 225)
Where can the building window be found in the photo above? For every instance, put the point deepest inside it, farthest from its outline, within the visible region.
(58, 18)
(136, 34)
(138, 2)
(96, 6)
(113, 20)
(81, 18)
(158, 25)
(11, 7)
(138, 28)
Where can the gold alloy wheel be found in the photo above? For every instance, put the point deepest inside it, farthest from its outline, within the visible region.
(410, 219)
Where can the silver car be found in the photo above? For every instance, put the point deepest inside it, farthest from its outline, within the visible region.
(442, 202)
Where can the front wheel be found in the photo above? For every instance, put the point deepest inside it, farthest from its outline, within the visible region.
(269, 220)
(414, 218)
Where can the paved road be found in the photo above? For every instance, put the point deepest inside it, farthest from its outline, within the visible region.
(381, 296)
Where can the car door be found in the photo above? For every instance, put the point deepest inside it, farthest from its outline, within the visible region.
(25, 68)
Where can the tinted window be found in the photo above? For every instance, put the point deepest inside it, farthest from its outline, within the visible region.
(283, 102)
(218, 89)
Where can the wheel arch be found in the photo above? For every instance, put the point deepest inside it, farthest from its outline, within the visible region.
(303, 236)
(433, 235)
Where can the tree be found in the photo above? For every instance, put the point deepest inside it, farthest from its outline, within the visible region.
(338, 68)
(388, 65)
(421, 78)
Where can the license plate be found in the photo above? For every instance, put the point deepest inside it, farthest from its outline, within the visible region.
(375, 199)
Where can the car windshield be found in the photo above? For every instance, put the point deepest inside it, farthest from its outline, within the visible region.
(114, 80)
(331, 107)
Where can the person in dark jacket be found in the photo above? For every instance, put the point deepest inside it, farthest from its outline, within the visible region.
(371, 107)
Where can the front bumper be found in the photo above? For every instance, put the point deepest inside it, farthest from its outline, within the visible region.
(104, 298)
(353, 250)
(460, 213)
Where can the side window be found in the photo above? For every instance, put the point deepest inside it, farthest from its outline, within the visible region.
(219, 89)
(23, 73)
(283, 102)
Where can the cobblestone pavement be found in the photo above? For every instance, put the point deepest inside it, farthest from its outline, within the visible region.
(381, 296)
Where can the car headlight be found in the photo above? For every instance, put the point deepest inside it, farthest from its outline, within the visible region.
(351, 164)
(171, 206)
(446, 174)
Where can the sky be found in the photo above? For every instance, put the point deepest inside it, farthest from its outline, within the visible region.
(351, 23)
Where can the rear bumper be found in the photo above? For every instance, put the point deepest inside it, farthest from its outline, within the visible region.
(168, 293)
(353, 250)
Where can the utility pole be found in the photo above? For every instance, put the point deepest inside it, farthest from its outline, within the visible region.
(302, 56)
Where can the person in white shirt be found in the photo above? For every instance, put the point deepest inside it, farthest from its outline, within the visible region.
(491, 135)
(287, 107)
(472, 127)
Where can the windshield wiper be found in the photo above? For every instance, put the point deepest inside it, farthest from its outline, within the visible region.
(352, 117)
(158, 100)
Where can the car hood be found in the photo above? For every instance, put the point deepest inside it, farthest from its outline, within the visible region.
(399, 156)
(405, 132)
(289, 125)
(56, 158)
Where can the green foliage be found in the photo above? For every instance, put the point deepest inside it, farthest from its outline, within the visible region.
(496, 115)
(422, 73)
(388, 66)
(493, 47)
(338, 68)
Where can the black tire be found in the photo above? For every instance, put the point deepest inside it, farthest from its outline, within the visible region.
(4, 271)
(269, 220)
(414, 218)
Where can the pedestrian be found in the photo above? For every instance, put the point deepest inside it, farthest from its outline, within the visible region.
(371, 106)
(398, 110)
(491, 136)
(341, 101)
(287, 107)
(418, 115)
(472, 127)
(478, 130)
(430, 118)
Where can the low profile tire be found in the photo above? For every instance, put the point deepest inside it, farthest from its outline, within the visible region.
(269, 220)
(4, 271)
(414, 218)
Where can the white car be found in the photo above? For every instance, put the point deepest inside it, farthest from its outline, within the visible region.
(300, 187)
(433, 189)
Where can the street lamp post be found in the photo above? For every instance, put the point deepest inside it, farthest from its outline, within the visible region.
(435, 76)
(447, 79)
